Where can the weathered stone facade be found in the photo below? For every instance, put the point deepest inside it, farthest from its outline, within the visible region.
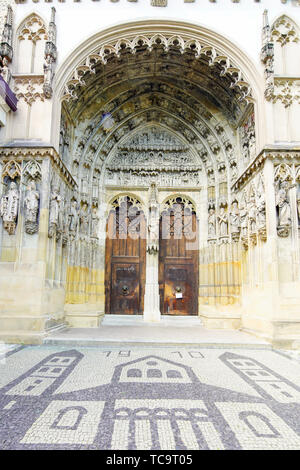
(150, 113)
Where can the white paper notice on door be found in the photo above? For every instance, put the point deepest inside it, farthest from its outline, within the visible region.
(178, 295)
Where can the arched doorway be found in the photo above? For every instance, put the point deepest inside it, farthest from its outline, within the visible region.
(125, 258)
(180, 113)
(178, 258)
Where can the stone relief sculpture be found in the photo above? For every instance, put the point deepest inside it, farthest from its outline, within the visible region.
(54, 210)
(153, 154)
(31, 204)
(9, 207)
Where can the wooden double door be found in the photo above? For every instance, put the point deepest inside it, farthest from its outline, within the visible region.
(178, 261)
(126, 263)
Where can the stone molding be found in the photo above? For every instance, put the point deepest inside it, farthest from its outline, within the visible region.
(278, 156)
(18, 154)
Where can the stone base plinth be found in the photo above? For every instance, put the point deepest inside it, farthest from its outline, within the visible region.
(83, 315)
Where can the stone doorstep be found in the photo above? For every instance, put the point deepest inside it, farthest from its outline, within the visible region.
(138, 320)
(127, 343)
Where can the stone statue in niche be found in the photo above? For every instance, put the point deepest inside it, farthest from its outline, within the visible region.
(261, 216)
(84, 220)
(95, 222)
(153, 224)
(252, 213)
(9, 206)
(73, 219)
(284, 209)
(211, 223)
(55, 200)
(252, 147)
(244, 224)
(223, 222)
(65, 224)
(31, 204)
(235, 222)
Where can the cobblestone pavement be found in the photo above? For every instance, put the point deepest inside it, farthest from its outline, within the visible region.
(149, 398)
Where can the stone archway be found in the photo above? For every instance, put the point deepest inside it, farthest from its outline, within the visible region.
(181, 114)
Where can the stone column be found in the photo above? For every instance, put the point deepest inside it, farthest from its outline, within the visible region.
(151, 299)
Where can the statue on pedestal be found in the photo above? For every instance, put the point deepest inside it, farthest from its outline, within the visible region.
(9, 206)
(55, 200)
(31, 204)
(284, 209)
(211, 223)
(153, 224)
(223, 222)
(235, 222)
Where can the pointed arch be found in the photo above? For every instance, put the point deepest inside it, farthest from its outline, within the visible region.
(285, 30)
(30, 40)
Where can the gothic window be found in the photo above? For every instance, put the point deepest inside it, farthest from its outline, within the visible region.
(285, 35)
(31, 37)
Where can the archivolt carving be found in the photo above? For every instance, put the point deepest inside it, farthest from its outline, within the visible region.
(166, 41)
